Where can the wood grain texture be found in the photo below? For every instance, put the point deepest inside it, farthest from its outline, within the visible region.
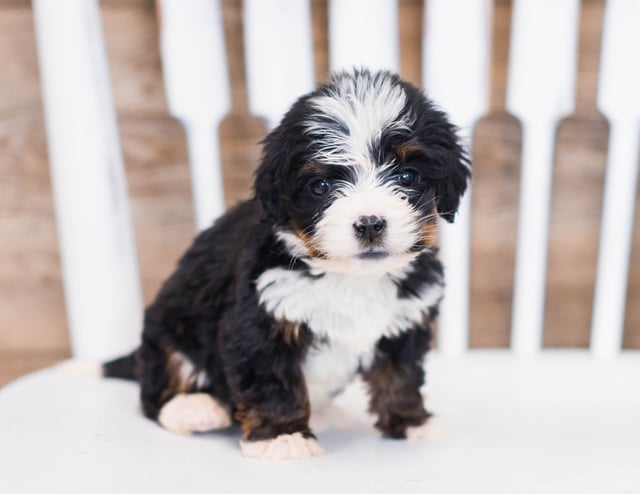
(410, 20)
(576, 203)
(16, 364)
(19, 82)
(574, 230)
(32, 307)
(32, 316)
(496, 175)
(494, 221)
(632, 322)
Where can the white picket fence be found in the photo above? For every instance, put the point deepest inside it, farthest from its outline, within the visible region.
(101, 276)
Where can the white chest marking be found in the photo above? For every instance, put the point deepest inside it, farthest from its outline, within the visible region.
(349, 312)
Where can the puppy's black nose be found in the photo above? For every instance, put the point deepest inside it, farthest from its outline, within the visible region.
(369, 228)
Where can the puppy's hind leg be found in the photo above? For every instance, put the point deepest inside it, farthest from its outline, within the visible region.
(175, 394)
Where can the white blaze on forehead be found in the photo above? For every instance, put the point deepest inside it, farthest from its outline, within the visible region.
(363, 107)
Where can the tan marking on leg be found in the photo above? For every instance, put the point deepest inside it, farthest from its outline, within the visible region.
(253, 422)
(196, 412)
(284, 447)
(183, 376)
(181, 372)
(394, 399)
(290, 331)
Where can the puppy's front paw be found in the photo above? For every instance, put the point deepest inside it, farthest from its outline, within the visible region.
(284, 447)
(433, 429)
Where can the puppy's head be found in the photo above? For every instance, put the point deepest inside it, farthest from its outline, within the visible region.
(358, 171)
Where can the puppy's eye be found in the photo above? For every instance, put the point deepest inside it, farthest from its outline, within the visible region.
(407, 178)
(320, 187)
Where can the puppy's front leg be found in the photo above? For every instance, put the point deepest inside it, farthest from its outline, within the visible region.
(272, 405)
(275, 432)
(394, 379)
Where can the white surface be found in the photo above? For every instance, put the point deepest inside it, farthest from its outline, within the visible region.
(540, 91)
(363, 33)
(619, 101)
(195, 73)
(278, 54)
(101, 280)
(555, 423)
(456, 75)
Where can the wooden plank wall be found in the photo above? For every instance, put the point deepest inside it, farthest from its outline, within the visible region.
(32, 317)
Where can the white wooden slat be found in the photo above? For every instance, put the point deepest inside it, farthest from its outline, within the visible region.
(102, 286)
(456, 74)
(540, 91)
(619, 101)
(278, 46)
(197, 85)
(363, 33)
(533, 221)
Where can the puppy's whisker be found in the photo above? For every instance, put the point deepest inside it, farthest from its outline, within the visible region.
(292, 263)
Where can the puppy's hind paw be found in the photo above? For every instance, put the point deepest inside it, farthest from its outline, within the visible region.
(433, 429)
(284, 447)
(195, 412)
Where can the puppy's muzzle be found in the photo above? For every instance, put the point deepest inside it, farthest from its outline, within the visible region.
(369, 228)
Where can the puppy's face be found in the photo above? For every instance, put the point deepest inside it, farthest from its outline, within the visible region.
(358, 171)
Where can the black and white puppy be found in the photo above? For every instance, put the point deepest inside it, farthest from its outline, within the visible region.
(328, 272)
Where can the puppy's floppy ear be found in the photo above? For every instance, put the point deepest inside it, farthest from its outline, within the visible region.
(268, 177)
(444, 151)
(447, 157)
(451, 187)
(442, 148)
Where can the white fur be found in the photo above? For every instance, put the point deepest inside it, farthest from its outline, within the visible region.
(196, 412)
(392, 265)
(432, 430)
(350, 312)
(295, 246)
(335, 234)
(283, 447)
(365, 106)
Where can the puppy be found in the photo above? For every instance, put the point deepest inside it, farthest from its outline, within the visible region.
(329, 271)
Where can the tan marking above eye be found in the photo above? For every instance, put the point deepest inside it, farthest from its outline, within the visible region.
(406, 148)
(312, 167)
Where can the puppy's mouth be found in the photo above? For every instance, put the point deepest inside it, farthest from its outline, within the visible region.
(373, 253)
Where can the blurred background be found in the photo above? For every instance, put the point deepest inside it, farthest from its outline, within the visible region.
(33, 324)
